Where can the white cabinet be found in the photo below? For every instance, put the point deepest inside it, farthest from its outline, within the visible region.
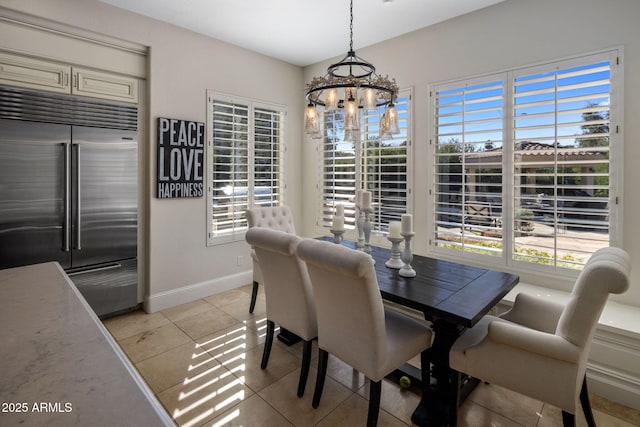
(22, 71)
(103, 85)
(33, 73)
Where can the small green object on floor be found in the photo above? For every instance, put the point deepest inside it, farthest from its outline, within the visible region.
(405, 382)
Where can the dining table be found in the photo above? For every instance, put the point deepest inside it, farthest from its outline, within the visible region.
(452, 296)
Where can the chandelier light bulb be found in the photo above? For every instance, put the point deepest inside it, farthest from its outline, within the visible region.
(351, 115)
(311, 121)
(369, 99)
(331, 99)
(392, 118)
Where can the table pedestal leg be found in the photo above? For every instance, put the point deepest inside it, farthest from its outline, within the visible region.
(287, 337)
(433, 408)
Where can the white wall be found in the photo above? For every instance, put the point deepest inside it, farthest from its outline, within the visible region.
(181, 66)
(507, 35)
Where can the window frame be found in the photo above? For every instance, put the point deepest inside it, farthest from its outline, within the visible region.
(615, 208)
(252, 197)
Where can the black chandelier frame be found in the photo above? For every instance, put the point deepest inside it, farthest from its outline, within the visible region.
(352, 72)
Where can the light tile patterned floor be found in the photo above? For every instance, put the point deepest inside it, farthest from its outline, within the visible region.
(202, 360)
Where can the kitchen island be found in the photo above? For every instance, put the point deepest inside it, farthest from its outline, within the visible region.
(59, 365)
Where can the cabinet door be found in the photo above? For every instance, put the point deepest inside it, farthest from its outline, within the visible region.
(104, 85)
(33, 73)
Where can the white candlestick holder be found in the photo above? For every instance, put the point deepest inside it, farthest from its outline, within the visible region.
(337, 236)
(407, 256)
(395, 261)
(360, 228)
(366, 227)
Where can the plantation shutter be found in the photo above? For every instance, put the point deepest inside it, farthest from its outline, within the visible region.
(561, 157)
(469, 137)
(229, 167)
(268, 160)
(247, 167)
(362, 160)
(338, 171)
(384, 165)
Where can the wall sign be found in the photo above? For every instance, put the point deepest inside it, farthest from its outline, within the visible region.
(180, 158)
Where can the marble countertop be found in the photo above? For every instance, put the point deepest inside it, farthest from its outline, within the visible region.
(58, 364)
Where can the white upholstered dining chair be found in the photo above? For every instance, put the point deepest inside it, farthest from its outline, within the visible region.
(288, 292)
(539, 348)
(275, 218)
(353, 324)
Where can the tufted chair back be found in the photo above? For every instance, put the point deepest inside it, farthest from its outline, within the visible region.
(289, 297)
(273, 217)
(288, 288)
(353, 323)
(346, 293)
(276, 218)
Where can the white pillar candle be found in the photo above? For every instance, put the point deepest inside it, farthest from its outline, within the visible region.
(338, 223)
(366, 199)
(359, 198)
(339, 209)
(394, 229)
(407, 224)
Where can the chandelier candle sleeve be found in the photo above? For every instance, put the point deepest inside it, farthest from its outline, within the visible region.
(340, 209)
(407, 224)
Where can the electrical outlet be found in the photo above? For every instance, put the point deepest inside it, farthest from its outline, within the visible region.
(240, 260)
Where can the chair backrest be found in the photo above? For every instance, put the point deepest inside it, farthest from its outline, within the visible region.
(273, 217)
(289, 296)
(351, 319)
(607, 271)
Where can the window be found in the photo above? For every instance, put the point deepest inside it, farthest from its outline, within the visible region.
(363, 160)
(522, 164)
(246, 147)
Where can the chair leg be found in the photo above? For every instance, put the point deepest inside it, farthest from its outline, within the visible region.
(454, 396)
(267, 344)
(254, 296)
(425, 367)
(586, 405)
(568, 420)
(306, 362)
(323, 358)
(375, 390)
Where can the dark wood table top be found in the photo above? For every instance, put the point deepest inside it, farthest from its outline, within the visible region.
(443, 290)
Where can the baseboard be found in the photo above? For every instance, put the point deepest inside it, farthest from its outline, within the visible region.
(189, 293)
(614, 386)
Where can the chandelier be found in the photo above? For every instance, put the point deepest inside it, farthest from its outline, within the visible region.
(351, 85)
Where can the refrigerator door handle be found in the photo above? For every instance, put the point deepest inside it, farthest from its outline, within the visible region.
(78, 244)
(67, 198)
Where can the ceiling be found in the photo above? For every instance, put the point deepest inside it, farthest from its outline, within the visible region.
(301, 32)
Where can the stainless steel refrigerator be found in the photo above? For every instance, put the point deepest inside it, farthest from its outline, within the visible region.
(68, 193)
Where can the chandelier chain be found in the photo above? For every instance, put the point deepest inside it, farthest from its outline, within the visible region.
(351, 28)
